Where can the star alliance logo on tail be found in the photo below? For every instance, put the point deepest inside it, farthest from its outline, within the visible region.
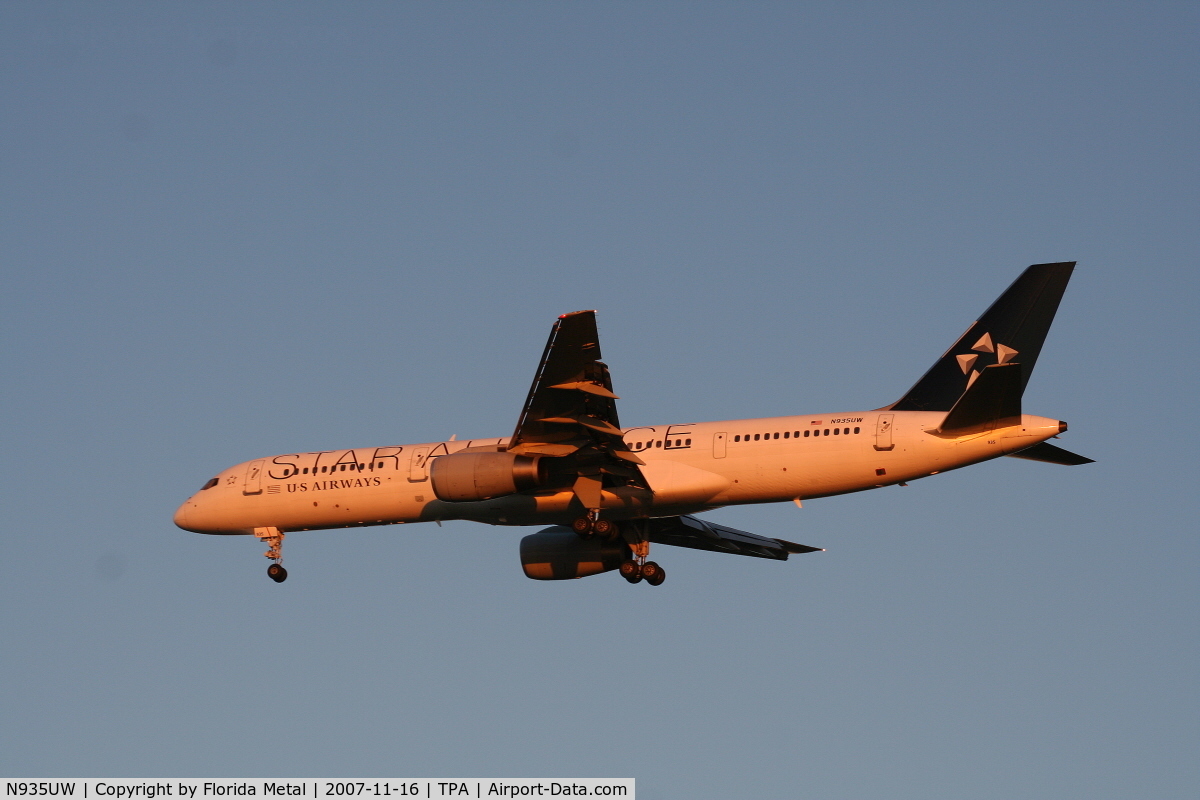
(967, 361)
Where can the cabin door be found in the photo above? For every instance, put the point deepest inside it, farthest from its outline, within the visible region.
(253, 482)
(883, 432)
(719, 444)
(418, 467)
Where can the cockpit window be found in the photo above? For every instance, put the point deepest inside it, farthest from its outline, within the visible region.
(209, 485)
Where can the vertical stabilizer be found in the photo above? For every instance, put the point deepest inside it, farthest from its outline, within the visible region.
(1011, 331)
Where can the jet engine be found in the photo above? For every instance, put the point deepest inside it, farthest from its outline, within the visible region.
(557, 553)
(465, 477)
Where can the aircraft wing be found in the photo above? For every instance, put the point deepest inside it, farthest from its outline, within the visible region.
(571, 412)
(689, 531)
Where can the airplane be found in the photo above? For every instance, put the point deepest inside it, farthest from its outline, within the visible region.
(609, 492)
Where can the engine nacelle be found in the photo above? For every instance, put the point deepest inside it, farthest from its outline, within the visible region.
(557, 553)
(465, 477)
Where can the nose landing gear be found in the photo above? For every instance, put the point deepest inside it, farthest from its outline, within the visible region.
(273, 539)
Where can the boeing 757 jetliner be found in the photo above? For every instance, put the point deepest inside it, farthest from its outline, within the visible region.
(609, 492)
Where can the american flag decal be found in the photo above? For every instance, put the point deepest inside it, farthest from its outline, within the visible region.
(272, 489)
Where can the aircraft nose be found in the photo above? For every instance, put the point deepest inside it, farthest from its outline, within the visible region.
(181, 515)
(1062, 426)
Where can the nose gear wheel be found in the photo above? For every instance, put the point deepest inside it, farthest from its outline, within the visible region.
(273, 539)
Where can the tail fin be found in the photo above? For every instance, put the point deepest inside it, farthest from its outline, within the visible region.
(1011, 331)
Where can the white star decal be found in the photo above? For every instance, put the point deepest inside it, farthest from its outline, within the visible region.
(967, 361)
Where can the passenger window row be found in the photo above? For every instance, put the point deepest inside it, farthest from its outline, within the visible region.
(659, 443)
(334, 468)
(796, 434)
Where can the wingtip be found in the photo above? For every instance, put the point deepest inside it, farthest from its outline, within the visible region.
(799, 549)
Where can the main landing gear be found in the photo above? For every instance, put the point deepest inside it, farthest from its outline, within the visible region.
(592, 525)
(273, 539)
(636, 569)
(648, 571)
(640, 567)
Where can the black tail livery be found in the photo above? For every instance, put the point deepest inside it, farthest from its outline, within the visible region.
(1011, 331)
(979, 381)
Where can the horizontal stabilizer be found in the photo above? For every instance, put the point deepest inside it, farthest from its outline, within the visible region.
(792, 547)
(1052, 455)
(992, 401)
(688, 531)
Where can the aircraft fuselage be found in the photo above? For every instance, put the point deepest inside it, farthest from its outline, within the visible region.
(690, 467)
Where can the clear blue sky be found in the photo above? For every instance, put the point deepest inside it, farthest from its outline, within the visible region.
(232, 230)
